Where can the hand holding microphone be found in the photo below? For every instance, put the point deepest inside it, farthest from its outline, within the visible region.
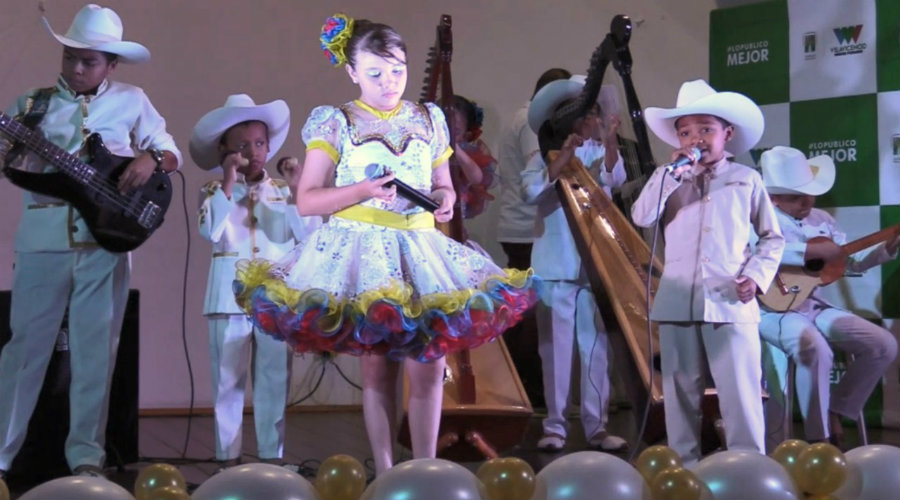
(675, 168)
(374, 170)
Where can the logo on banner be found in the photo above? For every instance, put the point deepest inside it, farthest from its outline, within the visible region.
(809, 45)
(839, 150)
(747, 53)
(895, 147)
(848, 40)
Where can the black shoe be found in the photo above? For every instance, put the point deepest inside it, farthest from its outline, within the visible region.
(837, 440)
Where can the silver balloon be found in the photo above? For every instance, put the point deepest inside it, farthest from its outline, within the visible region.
(256, 481)
(78, 488)
(873, 472)
(739, 475)
(589, 475)
(425, 479)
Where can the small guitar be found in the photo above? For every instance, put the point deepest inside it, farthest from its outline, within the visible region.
(793, 284)
(119, 222)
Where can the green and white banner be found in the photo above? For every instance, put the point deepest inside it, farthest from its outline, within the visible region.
(826, 74)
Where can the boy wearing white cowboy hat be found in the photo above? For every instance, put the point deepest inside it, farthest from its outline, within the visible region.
(58, 263)
(567, 312)
(810, 331)
(704, 303)
(245, 215)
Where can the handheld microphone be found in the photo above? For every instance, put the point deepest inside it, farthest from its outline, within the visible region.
(374, 170)
(683, 160)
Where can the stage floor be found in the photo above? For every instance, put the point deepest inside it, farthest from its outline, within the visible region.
(313, 436)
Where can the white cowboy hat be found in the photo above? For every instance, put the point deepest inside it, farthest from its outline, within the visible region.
(550, 96)
(787, 171)
(238, 108)
(698, 98)
(100, 28)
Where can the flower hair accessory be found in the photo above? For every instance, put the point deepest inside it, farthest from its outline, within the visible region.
(335, 34)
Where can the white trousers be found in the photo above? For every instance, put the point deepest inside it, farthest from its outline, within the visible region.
(808, 340)
(232, 339)
(732, 352)
(567, 315)
(94, 285)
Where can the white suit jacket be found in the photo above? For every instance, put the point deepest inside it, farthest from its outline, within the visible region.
(259, 221)
(128, 123)
(554, 255)
(709, 217)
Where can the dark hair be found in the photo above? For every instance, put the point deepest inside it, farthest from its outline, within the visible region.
(109, 56)
(379, 39)
(725, 123)
(224, 137)
(468, 110)
(550, 75)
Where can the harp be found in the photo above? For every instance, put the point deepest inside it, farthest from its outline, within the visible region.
(485, 408)
(622, 270)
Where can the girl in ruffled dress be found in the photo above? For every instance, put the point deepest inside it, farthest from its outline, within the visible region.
(378, 280)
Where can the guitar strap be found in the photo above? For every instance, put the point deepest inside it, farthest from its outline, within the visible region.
(35, 108)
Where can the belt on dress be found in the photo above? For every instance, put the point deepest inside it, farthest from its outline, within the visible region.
(420, 220)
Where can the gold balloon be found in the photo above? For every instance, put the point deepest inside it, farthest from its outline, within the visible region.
(656, 459)
(157, 476)
(786, 454)
(676, 483)
(4, 490)
(821, 469)
(169, 493)
(507, 478)
(340, 477)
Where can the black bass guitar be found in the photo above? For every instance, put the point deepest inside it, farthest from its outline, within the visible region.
(119, 222)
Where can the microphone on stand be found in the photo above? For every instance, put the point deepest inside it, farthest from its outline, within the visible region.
(683, 160)
(374, 170)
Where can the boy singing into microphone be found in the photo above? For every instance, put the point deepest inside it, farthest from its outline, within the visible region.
(705, 303)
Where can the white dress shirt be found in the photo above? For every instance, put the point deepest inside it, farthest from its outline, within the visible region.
(518, 144)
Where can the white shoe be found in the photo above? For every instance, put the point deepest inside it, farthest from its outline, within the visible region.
(88, 470)
(607, 442)
(551, 442)
(295, 468)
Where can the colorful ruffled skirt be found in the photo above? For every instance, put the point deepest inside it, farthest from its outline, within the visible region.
(357, 288)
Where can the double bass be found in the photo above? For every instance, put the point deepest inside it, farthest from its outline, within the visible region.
(485, 409)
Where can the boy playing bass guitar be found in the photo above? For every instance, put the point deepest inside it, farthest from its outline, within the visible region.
(59, 263)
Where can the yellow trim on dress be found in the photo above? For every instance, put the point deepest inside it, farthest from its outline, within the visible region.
(255, 273)
(360, 213)
(384, 115)
(441, 159)
(326, 147)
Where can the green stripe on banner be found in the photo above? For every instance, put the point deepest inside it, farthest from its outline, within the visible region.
(748, 51)
(846, 129)
(888, 48)
(890, 271)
